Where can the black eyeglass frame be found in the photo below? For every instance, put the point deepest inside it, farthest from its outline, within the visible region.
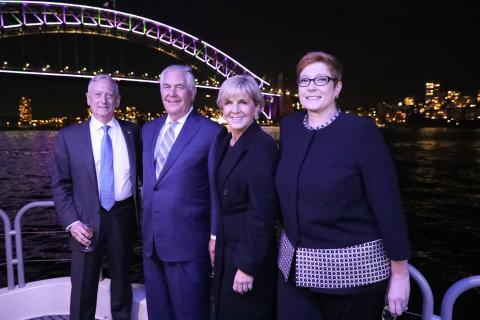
(315, 81)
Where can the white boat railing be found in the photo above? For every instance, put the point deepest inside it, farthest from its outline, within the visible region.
(427, 295)
(8, 249)
(448, 300)
(18, 237)
(454, 292)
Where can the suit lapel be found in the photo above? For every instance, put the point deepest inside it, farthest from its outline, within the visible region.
(155, 137)
(240, 148)
(128, 136)
(85, 148)
(221, 148)
(190, 127)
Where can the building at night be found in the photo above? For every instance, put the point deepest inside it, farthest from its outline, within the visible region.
(25, 111)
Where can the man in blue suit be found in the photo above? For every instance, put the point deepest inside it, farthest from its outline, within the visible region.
(94, 181)
(177, 205)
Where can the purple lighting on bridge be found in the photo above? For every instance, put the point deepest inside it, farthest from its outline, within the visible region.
(25, 14)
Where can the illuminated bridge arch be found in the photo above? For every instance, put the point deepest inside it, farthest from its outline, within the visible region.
(39, 17)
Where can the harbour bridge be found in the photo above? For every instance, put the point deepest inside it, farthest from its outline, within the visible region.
(27, 19)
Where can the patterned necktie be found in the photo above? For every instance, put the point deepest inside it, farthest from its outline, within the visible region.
(107, 191)
(163, 148)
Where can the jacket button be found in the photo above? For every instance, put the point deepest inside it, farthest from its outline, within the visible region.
(225, 192)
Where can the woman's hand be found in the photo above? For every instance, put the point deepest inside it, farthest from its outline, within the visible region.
(242, 283)
(398, 287)
(211, 250)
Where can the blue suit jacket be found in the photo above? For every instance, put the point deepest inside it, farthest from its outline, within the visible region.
(177, 205)
(74, 180)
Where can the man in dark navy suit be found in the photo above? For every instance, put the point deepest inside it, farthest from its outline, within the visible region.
(177, 207)
(94, 182)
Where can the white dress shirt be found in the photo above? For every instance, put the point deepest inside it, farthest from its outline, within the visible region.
(178, 127)
(121, 163)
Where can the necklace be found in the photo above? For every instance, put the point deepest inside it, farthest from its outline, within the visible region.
(322, 125)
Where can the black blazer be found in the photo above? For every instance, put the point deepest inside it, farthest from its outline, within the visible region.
(247, 212)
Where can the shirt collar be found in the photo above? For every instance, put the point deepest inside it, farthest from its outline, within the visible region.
(182, 119)
(97, 125)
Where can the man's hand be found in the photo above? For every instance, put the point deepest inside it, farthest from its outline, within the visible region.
(242, 283)
(79, 233)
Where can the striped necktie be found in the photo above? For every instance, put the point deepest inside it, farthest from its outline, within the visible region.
(107, 190)
(162, 149)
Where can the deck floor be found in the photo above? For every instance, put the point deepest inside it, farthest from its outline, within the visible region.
(53, 317)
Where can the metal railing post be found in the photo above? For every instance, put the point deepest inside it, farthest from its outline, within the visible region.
(453, 292)
(18, 238)
(8, 249)
(427, 295)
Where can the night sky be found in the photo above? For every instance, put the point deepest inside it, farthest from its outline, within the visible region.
(388, 49)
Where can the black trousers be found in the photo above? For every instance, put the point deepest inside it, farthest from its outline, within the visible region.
(116, 235)
(298, 303)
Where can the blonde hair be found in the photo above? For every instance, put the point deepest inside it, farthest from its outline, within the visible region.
(239, 85)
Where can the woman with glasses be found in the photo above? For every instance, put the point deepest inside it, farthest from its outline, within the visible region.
(245, 255)
(344, 246)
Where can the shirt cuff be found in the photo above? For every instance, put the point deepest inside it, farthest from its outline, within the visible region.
(213, 237)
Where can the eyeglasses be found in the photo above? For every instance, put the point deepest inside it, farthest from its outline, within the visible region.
(319, 81)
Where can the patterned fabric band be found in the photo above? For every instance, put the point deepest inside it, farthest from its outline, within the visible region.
(285, 256)
(348, 267)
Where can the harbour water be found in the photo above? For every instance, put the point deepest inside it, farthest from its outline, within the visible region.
(439, 173)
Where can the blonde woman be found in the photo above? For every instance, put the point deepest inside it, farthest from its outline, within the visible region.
(245, 272)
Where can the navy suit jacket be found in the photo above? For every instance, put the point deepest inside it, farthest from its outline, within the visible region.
(177, 205)
(74, 179)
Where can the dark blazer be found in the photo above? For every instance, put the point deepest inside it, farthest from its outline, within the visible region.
(348, 185)
(248, 210)
(177, 210)
(74, 180)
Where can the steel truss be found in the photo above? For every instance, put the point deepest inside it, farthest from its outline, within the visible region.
(31, 17)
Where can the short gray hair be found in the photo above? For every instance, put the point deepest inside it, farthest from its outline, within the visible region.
(187, 71)
(99, 77)
(237, 85)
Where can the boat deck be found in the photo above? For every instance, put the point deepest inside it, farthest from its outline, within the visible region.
(52, 317)
(50, 300)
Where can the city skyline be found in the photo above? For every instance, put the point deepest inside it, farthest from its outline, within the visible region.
(438, 108)
(389, 50)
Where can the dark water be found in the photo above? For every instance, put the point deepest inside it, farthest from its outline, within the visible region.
(439, 172)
